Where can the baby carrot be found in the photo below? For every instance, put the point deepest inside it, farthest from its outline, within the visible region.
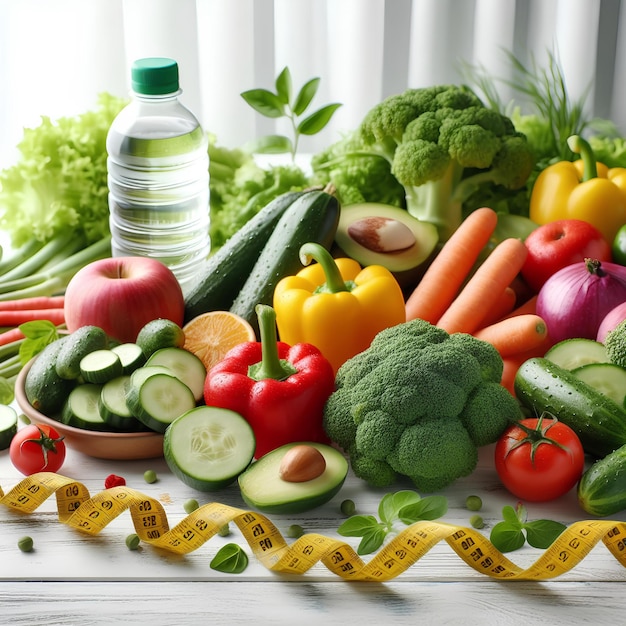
(502, 307)
(11, 335)
(15, 318)
(36, 302)
(480, 292)
(514, 335)
(450, 268)
(513, 362)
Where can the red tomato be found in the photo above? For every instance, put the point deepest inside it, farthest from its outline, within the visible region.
(539, 459)
(37, 448)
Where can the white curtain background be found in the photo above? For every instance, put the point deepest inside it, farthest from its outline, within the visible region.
(57, 55)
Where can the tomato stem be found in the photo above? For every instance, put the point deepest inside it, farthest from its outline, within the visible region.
(537, 435)
(48, 444)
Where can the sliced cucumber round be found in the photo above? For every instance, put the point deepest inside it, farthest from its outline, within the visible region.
(113, 407)
(159, 400)
(185, 365)
(572, 353)
(100, 366)
(8, 425)
(81, 408)
(131, 355)
(208, 447)
(607, 378)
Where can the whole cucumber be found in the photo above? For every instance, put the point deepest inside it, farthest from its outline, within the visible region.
(224, 273)
(311, 218)
(602, 488)
(599, 422)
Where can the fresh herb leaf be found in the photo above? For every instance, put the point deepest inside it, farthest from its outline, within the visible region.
(542, 533)
(230, 559)
(280, 104)
(7, 391)
(38, 334)
(514, 531)
(405, 506)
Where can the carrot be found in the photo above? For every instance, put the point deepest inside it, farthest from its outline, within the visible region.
(450, 268)
(501, 308)
(525, 308)
(36, 302)
(512, 363)
(484, 287)
(15, 318)
(11, 335)
(514, 335)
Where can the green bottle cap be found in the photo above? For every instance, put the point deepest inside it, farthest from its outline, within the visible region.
(154, 76)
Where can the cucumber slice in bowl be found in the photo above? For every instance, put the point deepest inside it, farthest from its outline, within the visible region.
(8, 425)
(183, 364)
(207, 448)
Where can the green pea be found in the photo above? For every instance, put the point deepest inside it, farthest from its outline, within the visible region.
(133, 541)
(348, 508)
(224, 531)
(191, 505)
(295, 531)
(25, 544)
(473, 503)
(477, 521)
(150, 476)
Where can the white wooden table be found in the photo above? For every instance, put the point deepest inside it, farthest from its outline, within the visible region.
(71, 578)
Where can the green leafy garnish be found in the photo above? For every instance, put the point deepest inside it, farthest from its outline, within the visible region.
(405, 506)
(39, 334)
(230, 559)
(282, 103)
(514, 530)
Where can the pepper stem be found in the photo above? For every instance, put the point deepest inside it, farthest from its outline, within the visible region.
(581, 146)
(334, 280)
(270, 366)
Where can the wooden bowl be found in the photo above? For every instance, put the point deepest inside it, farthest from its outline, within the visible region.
(98, 444)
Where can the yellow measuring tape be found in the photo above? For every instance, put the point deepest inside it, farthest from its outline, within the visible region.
(90, 514)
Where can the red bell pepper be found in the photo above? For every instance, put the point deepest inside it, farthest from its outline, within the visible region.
(279, 389)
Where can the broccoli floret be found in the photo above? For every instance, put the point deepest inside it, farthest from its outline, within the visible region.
(418, 403)
(442, 145)
(615, 344)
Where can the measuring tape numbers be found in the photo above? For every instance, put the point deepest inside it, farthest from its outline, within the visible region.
(91, 514)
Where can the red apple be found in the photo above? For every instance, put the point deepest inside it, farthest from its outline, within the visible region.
(121, 295)
(557, 244)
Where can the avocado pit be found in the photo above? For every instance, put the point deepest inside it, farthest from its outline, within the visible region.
(381, 234)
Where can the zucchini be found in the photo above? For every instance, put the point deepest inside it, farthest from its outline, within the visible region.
(224, 273)
(602, 488)
(600, 422)
(8, 425)
(159, 400)
(313, 217)
(208, 447)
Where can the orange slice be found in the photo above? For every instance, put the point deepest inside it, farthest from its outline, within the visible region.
(211, 335)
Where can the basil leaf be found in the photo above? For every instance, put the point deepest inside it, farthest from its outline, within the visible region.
(230, 559)
(317, 121)
(270, 144)
(428, 508)
(507, 537)
(358, 526)
(392, 503)
(264, 102)
(372, 540)
(305, 95)
(283, 86)
(543, 532)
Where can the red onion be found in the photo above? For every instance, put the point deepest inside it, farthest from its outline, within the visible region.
(611, 320)
(574, 301)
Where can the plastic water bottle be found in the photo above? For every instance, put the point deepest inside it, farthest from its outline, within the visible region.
(158, 174)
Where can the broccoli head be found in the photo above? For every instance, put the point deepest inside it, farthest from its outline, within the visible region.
(442, 145)
(615, 344)
(418, 403)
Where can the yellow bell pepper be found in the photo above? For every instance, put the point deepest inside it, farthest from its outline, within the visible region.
(583, 190)
(336, 305)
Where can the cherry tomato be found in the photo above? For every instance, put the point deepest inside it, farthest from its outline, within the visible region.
(539, 459)
(37, 448)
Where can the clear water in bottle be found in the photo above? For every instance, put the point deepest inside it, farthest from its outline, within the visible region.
(159, 185)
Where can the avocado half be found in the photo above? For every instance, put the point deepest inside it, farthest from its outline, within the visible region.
(380, 234)
(262, 488)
